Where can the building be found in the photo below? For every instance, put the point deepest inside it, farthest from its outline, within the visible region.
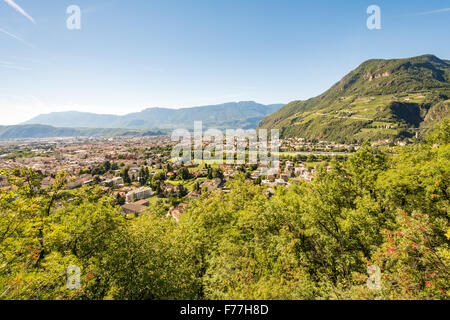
(83, 180)
(289, 166)
(308, 176)
(280, 182)
(139, 194)
(213, 185)
(133, 173)
(118, 181)
(143, 202)
(170, 174)
(168, 187)
(300, 170)
(191, 165)
(193, 195)
(133, 208)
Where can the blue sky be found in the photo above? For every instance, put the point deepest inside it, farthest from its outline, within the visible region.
(130, 55)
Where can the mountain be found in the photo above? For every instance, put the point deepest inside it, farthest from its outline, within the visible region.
(381, 99)
(44, 131)
(74, 119)
(245, 115)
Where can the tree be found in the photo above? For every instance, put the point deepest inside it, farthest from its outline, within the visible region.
(148, 261)
(210, 174)
(181, 191)
(442, 134)
(107, 166)
(144, 175)
(97, 180)
(184, 174)
(54, 229)
(196, 186)
(120, 201)
(125, 176)
(218, 173)
(313, 240)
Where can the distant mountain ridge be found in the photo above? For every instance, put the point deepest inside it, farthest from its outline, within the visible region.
(244, 114)
(381, 99)
(32, 131)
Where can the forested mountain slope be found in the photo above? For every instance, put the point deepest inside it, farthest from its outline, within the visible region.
(381, 99)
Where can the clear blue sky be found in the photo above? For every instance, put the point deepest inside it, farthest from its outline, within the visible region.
(134, 54)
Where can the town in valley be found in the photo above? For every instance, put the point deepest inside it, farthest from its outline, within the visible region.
(140, 173)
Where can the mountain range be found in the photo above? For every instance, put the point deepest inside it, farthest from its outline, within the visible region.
(381, 99)
(244, 114)
(27, 131)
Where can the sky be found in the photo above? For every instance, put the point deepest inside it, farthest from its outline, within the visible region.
(135, 54)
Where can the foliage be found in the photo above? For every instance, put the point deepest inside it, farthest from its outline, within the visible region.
(313, 240)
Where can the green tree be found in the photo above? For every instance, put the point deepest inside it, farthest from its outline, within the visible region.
(125, 176)
(46, 231)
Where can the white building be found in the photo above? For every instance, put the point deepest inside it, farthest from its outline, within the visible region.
(139, 194)
(118, 181)
(280, 182)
